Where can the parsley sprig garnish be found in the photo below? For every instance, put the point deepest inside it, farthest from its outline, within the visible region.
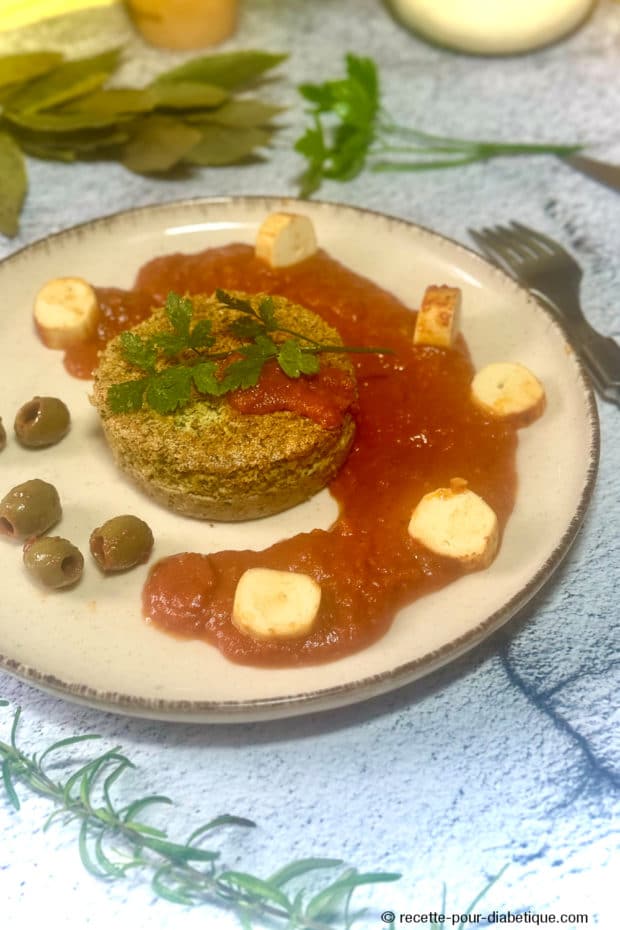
(351, 130)
(178, 363)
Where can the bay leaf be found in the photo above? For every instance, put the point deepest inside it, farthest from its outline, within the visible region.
(13, 184)
(79, 143)
(158, 143)
(227, 145)
(247, 112)
(60, 121)
(185, 95)
(114, 101)
(25, 66)
(48, 152)
(226, 69)
(68, 81)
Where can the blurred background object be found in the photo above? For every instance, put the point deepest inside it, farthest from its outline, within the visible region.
(17, 13)
(492, 27)
(184, 24)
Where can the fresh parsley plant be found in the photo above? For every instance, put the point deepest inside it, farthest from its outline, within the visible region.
(174, 364)
(351, 130)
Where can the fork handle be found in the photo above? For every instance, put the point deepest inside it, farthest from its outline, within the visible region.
(602, 356)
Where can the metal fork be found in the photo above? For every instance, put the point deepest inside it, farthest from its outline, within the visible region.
(553, 275)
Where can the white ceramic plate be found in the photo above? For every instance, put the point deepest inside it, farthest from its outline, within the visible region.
(91, 644)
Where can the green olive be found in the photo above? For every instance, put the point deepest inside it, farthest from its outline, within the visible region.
(43, 421)
(121, 543)
(53, 561)
(29, 509)
(2, 436)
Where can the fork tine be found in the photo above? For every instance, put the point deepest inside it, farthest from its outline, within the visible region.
(537, 239)
(505, 245)
(486, 241)
(515, 246)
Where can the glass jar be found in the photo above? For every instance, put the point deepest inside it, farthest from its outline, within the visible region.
(184, 24)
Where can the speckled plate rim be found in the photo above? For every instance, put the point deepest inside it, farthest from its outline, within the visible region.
(292, 704)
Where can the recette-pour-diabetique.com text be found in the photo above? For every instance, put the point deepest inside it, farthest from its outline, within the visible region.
(488, 919)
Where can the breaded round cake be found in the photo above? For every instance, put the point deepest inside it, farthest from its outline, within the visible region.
(208, 459)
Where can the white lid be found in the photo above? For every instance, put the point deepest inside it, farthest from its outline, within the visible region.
(492, 27)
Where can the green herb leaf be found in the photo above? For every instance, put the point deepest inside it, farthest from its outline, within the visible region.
(224, 820)
(246, 372)
(334, 900)
(230, 70)
(158, 143)
(295, 361)
(179, 312)
(24, 66)
(187, 95)
(139, 352)
(226, 145)
(127, 397)
(201, 336)
(206, 379)
(302, 867)
(60, 121)
(256, 888)
(350, 130)
(246, 328)
(67, 81)
(246, 114)
(169, 389)
(62, 111)
(115, 103)
(267, 313)
(13, 184)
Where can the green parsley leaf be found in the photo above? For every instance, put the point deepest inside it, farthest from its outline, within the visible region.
(127, 397)
(235, 303)
(295, 361)
(170, 343)
(139, 352)
(169, 389)
(206, 380)
(350, 129)
(245, 372)
(246, 328)
(267, 313)
(179, 312)
(201, 336)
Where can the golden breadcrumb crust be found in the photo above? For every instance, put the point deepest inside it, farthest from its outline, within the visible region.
(210, 461)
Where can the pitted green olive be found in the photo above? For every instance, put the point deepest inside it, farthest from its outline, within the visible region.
(121, 543)
(43, 421)
(29, 509)
(53, 561)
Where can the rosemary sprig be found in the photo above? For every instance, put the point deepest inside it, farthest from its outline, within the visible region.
(114, 840)
(167, 387)
(351, 130)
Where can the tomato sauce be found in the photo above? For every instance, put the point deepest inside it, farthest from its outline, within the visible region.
(324, 397)
(119, 310)
(416, 429)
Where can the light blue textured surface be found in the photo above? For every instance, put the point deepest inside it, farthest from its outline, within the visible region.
(512, 754)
